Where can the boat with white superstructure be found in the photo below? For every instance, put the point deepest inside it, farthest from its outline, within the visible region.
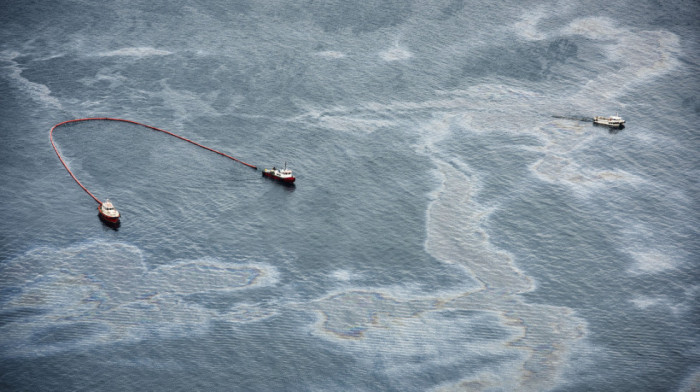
(108, 213)
(283, 175)
(609, 121)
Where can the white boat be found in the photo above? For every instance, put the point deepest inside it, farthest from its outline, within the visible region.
(108, 212)
(610, 121)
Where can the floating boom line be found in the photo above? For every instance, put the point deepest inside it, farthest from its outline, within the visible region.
(129, 122)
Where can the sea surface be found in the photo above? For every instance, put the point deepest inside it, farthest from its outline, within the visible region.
(457, 224)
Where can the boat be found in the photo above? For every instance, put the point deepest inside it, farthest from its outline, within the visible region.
(108, 213)
(284, 175)
(610, 121)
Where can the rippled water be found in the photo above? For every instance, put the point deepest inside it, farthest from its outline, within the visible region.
(453, 226)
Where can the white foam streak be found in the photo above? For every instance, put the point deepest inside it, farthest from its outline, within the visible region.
(345, 275)
(527, 26)
(108, 287)
(646, 302)
(395, 54)
(369, 117)
(649, 248)
(108, 76)
(331, 54)
(637, 56)
(139, 52)
(562, 143)
(652, 261)
(455, 235)
(543, 335)
(184, 102)
(38, 92)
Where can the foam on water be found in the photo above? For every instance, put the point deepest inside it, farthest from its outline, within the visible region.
(482, 104)
(648, 246)
(564, 143)
(631, 56)
(479, 334)
(526, 27)
(645, 302)
(407, 339)
(351, 314)
(635, 56)
(105, 75)
(535, 341)
(653, 261)
(36, 91)
(108, 290)
(455, 235)
(345, 275)
(548, 335)
(331, 54)
(140, 52)
(396, 53)
(542, 337)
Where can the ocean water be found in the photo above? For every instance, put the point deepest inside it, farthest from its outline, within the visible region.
(454, 227)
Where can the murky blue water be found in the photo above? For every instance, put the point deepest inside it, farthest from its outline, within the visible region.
(446, 231)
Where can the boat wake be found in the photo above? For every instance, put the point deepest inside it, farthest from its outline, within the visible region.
(574, 118)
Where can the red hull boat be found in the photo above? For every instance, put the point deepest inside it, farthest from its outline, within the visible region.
(108, 213)
(283, 175)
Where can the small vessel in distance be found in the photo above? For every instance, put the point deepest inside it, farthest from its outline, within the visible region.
(108, 213)
(610, 121)
(284, 175)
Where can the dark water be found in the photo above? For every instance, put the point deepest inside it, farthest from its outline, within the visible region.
(454, 225)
